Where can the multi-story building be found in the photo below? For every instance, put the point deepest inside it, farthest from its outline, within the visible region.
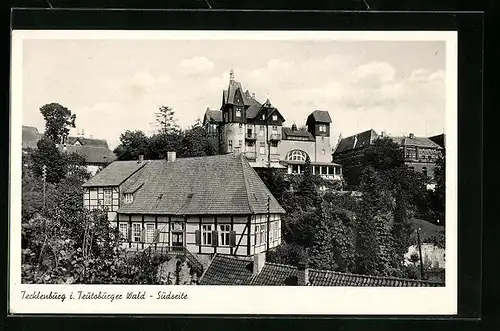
(256, 130)
(420, 153)
(96, 152)
(203, 205)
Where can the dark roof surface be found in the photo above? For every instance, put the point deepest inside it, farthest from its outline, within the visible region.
(100, 155)
(415, 141)
(356, 141)
(221, 184)
(225, 270)
(321, 116)
(114, 174)
(215, 115)
(440, 139)
(30, 137)
(228, 270)
(289, 134)
(87, 142)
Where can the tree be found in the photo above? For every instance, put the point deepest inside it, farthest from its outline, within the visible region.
(307, 190)
(132, 144)
(439, 196)
(166, 121)
(383, 154)
(322, 249)
(195, 142)
(47, 154)
(58, 121)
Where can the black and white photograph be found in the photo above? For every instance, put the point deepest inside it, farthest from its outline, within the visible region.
(244, 159)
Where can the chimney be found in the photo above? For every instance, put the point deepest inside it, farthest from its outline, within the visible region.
(140, 159)
(411, 135)
(302, 274)
(259, 260)
(171, 156)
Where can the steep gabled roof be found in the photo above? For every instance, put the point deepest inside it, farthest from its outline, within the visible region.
(415, 141)
(92, 154)
(228, 270)
(320, 116)
(91, 142)
(356, 141)
(114, 174)
(221, 184)
(30, 137)
(212, 115)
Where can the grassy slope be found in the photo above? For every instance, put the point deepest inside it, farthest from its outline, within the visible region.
(427, 229)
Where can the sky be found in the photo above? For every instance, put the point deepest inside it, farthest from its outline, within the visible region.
(117, 85)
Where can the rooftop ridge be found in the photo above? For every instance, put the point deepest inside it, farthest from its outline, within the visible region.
(245, 181)
(375, 277)
(282, 265)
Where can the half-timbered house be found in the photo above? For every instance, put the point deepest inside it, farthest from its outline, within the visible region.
(214, 204)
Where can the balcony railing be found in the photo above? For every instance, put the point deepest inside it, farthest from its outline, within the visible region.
(275, 136)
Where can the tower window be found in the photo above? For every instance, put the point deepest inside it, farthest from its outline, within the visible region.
(230, 145)
(322, 128)
(275, 117)
(262, 148)
(263, 116)
(238, 113)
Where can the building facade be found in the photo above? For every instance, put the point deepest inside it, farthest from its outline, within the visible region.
(420, 153)
(96, 152)
(207, 205)
(256, 130)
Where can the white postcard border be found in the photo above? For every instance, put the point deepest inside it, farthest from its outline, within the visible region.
(240, 299)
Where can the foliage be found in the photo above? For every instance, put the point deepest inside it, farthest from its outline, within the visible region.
(307, 190)
(58, 120)
(192, 142)
(383, 154)
(132, 144)
(49, 155)
(166, 121)
(322, 249)
(290, 254)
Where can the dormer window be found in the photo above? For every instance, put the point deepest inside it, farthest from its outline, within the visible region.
(263, 116)
(275, 117)
(128, 198)
(322, 128)
(238, 113)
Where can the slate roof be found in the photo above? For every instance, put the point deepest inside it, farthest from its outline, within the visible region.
(114, 174)
(30, 137)
(289, 134)
(215, 115)
(440, 139)
(415, 141)
(87, 141)
(321, 116)
(220, 184)
(92, 154)
(228, 270)
(356, 141)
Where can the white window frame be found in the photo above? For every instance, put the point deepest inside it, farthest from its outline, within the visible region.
(296, 155)
(206, 234)
(124, 229)
(136, 232)
(128, 198)
(238, 113)
(276, 230)
(224, 232)
(257, 235)
(107, 197)
(262, 148)
(261, 130)
(150, 232)
(275, 117)
(322, 128)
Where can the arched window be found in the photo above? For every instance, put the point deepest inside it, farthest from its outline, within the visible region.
(296, 155)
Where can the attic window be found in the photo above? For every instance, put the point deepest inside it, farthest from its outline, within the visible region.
(238, 112)
(263, 116)
(275, 117)
(128, 198)
(322, 128)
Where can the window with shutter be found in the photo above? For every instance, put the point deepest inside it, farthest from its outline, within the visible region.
(232, 238)
(225, 229)
(215, 238)
(197, 235)
(136, 232)
(207, 234)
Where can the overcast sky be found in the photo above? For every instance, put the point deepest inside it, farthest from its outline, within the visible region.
(117, 85)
